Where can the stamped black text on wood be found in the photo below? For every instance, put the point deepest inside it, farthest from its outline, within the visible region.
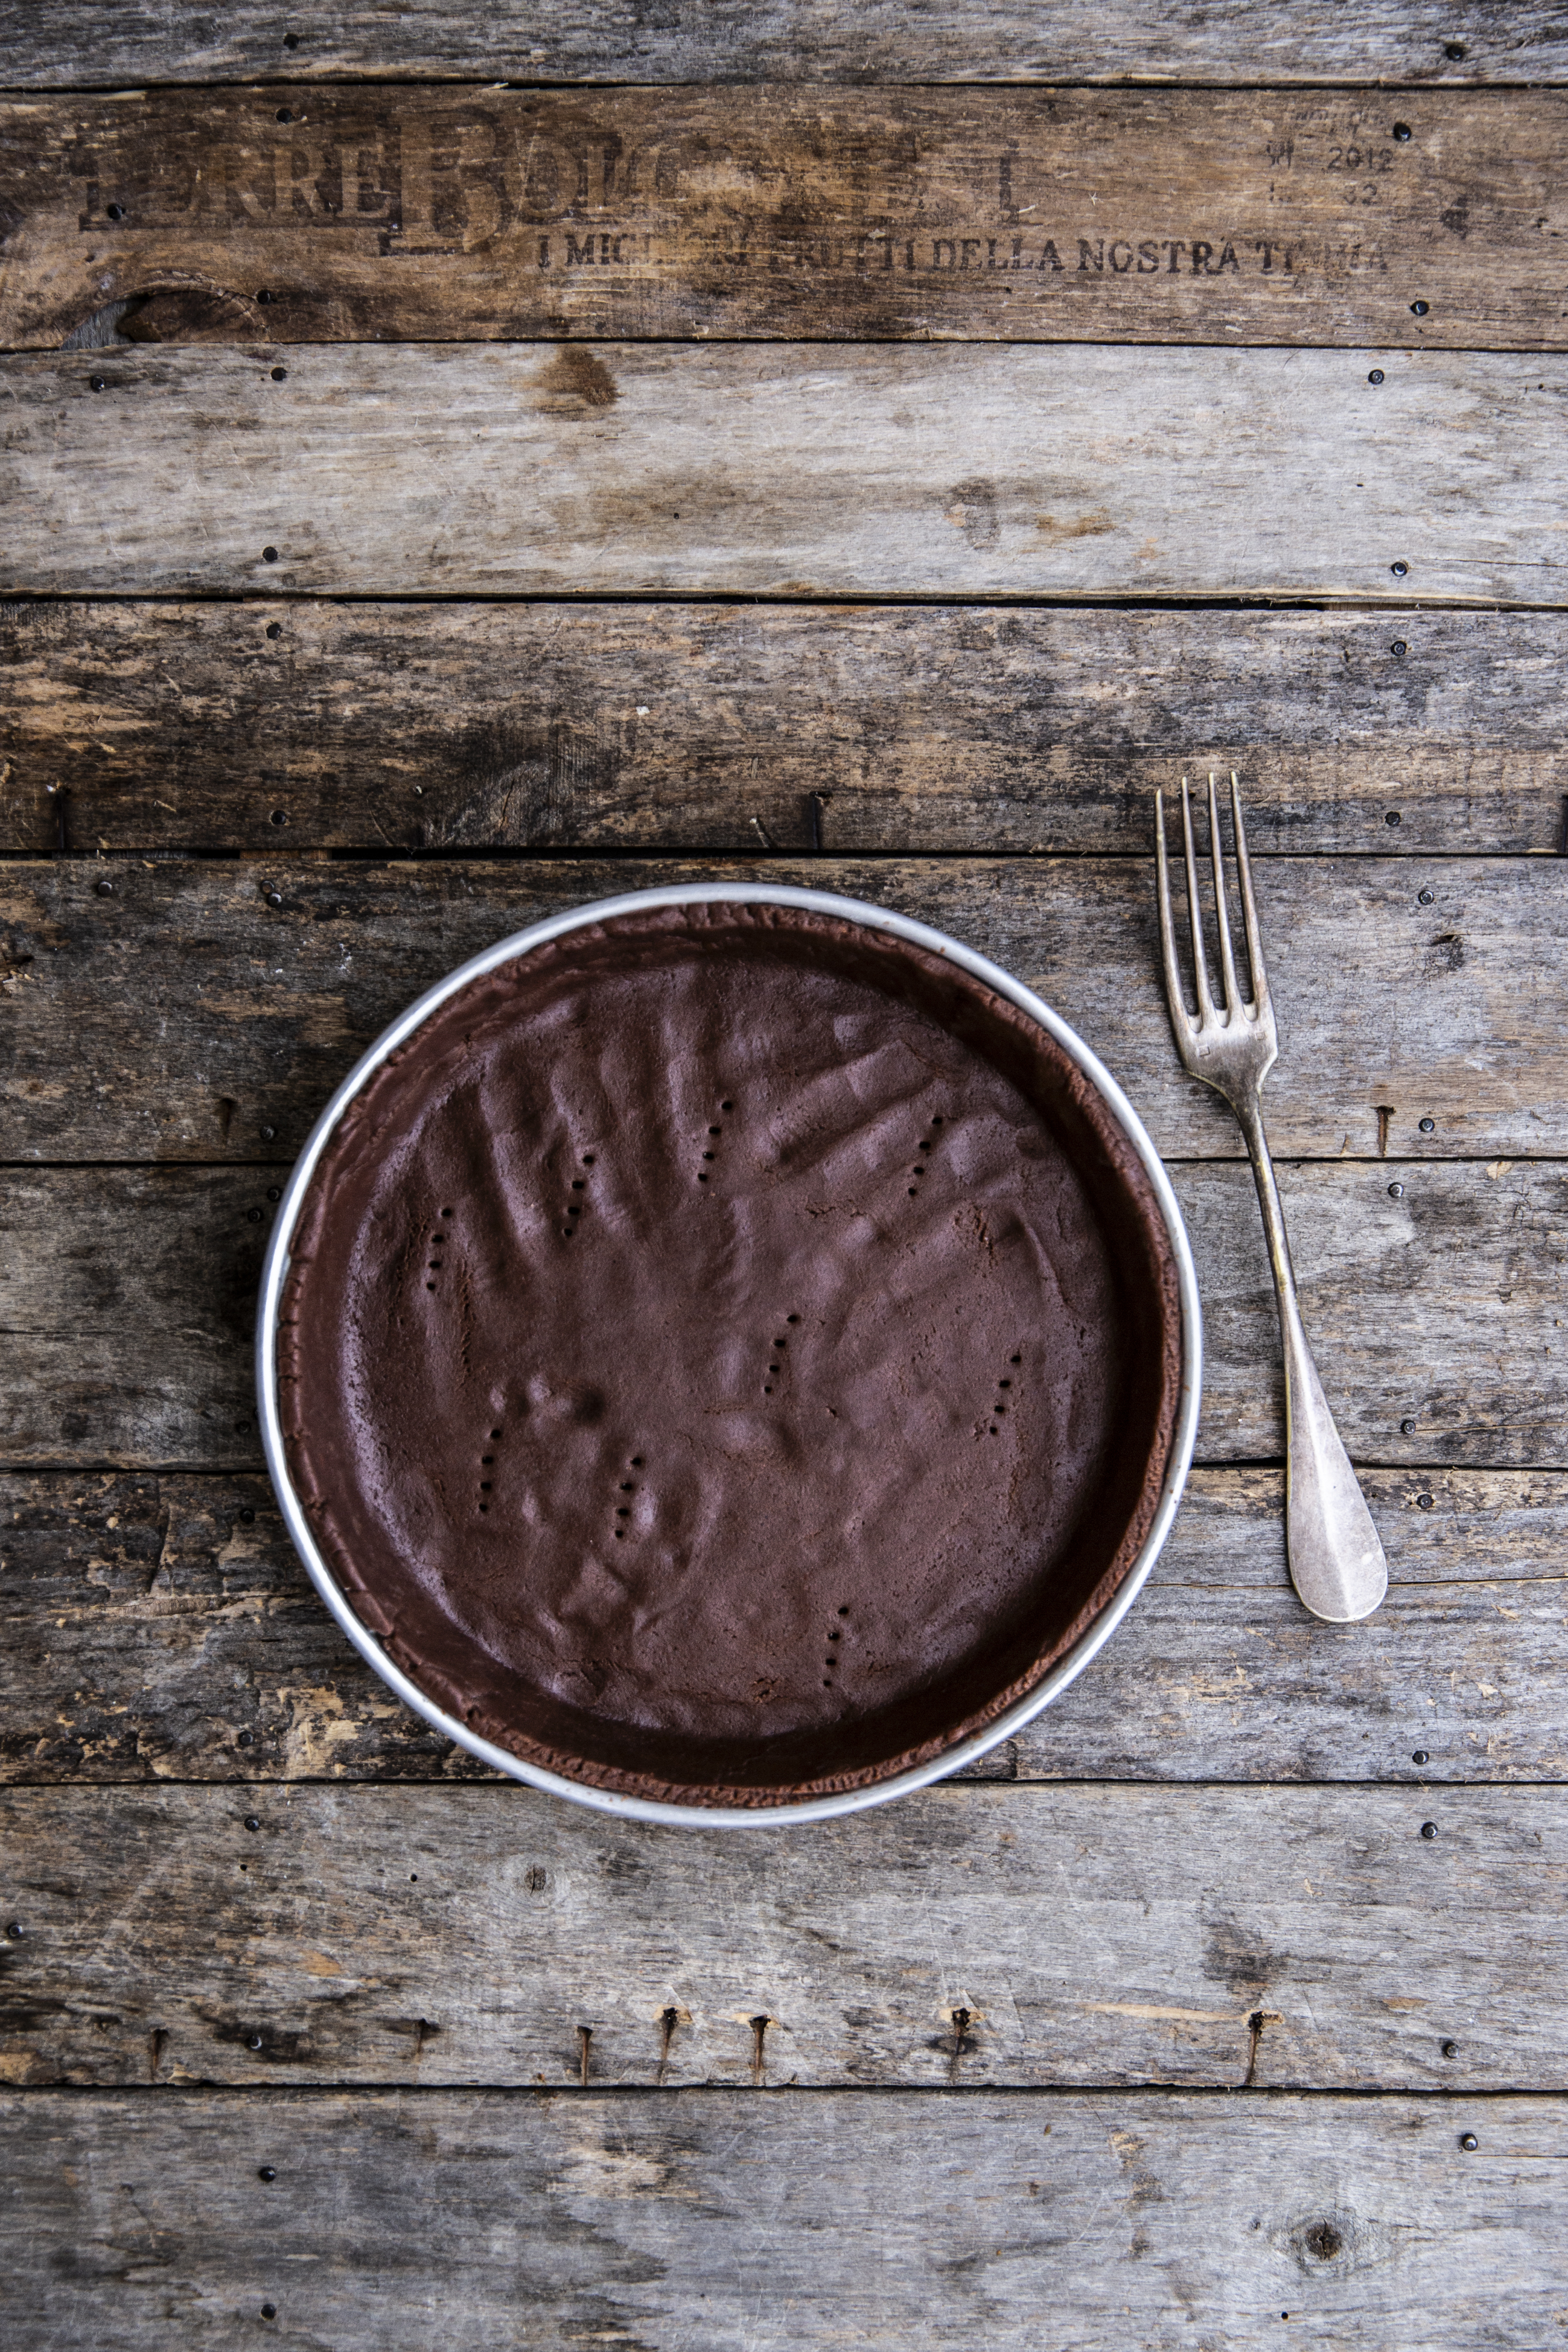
(313, 215)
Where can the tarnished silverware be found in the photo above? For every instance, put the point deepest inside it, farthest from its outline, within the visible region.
(1336, 1561)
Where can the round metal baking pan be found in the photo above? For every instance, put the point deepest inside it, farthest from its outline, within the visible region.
(964, 1751)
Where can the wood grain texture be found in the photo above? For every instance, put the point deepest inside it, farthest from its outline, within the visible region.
(160, 1629)
(704, 2221)
(69, 44)
(314, 216)
(858, 470)
(181, 1012)
(129, 1293)
(672, 727)
(463, 1935)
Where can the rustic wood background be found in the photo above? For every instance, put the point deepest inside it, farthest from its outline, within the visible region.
(454, 465)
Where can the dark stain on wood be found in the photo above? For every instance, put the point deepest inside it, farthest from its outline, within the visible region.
(572, 382)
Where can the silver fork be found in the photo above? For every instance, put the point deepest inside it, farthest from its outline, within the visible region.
(1336, 1561)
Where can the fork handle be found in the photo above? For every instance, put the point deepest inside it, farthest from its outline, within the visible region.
(1337, 1564)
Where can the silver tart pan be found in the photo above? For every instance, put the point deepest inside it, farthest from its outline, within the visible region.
(1005, 1727)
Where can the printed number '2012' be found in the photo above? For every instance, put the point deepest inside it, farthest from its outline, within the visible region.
(1359, 159)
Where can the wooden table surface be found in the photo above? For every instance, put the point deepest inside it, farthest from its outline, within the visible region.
(455, 466)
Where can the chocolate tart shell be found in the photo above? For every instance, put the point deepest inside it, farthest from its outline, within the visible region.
(729, 1355)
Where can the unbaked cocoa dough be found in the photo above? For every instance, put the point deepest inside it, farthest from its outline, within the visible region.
(727, 1354)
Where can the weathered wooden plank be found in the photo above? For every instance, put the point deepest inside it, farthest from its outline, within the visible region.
(315, 216)
(160, 1628)
(703, 2221)
(173, 726)
(463, 1935)
(69, 44)
(171, 1011)
(1431, 1292)
(852, 469)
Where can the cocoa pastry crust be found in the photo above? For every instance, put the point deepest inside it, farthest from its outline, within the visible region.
(729, 1355)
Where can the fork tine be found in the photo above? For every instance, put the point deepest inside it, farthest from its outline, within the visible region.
(1249, 904)
(1227, 961)
(1175, 991)
(1195, 911)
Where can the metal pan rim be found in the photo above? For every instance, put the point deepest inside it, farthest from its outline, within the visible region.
(1051, 1685)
